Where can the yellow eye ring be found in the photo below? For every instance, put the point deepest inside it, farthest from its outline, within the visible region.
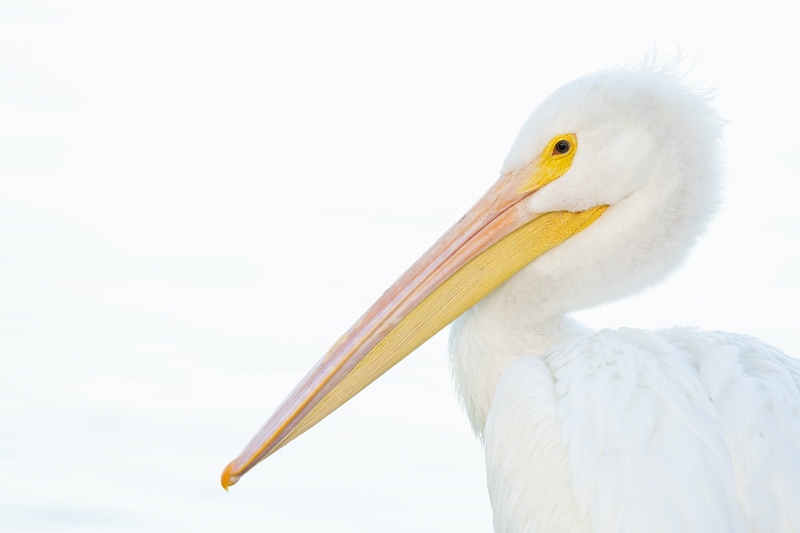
(552, 163)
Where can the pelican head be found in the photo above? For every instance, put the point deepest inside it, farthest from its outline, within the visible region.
(604, 191)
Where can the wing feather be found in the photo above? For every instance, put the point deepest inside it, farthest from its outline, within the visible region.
(628, 431)
(756, 389)
(529, 476)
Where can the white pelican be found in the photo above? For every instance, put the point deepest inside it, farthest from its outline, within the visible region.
(605, 190)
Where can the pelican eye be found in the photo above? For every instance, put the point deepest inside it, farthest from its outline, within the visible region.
(561, 147)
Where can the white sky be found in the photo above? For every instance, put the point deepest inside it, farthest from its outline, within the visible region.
(197, 198)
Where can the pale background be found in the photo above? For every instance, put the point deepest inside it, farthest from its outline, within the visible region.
(197, 198)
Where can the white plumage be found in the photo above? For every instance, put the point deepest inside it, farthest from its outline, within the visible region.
(625, 430)
(604, 192)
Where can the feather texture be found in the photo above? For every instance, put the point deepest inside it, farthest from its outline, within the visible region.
(625, 430)
(628, 430)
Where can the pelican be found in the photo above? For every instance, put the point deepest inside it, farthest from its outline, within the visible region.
(604, 192)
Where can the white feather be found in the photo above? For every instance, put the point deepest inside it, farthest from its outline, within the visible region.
(528, 468)
(625, 430)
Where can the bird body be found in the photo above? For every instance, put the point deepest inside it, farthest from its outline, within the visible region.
(630, 430)
(605, 191)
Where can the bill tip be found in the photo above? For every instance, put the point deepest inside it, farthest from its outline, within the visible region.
(228, 478)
